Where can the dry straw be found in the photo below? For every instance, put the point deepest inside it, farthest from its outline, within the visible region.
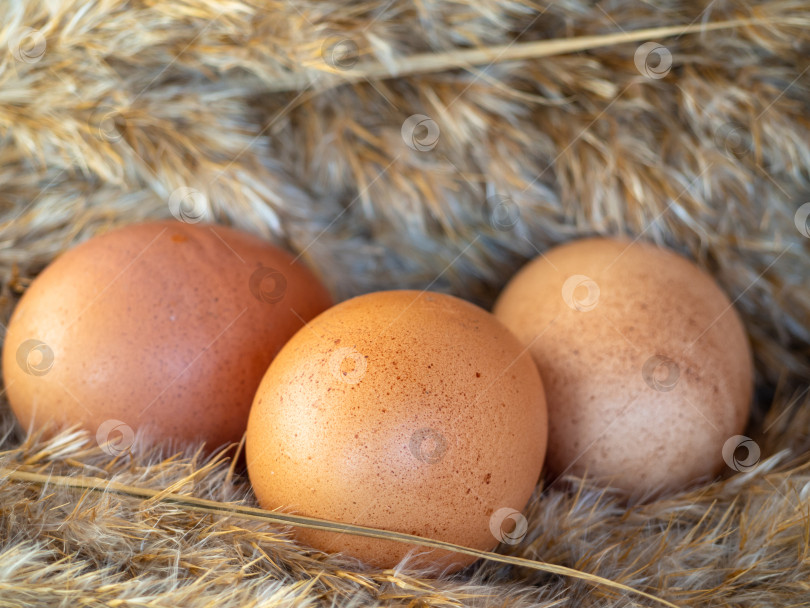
(218, 508)
(426, 63)
(582, 144)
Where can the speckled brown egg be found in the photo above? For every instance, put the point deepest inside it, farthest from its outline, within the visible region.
(164, 326)
(409, 411)
(647, 368)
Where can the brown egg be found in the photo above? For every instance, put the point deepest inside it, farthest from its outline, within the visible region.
(409, 411)
(164, 326)
(647, 368)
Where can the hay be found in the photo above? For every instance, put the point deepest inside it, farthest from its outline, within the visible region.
(110, 107)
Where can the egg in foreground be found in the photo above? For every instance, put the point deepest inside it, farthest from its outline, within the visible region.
(409, 411)
(164, 326)
(646, 364)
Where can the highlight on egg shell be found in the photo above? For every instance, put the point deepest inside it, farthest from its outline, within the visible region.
(162, 326)
(647, 367)
(414, 412)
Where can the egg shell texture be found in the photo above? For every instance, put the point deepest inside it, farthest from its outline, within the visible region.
(409, 411)
(646, 364)
(164, 326)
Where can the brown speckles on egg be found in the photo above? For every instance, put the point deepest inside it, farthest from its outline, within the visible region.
(606, 417)
(432, 441)
(155, 324)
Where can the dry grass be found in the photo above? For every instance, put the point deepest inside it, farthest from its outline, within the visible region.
(223, 509)
(128, 101)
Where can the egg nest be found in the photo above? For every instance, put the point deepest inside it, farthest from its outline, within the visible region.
(288, 120)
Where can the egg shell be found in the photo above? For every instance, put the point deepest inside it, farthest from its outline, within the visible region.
(646, 364)
(409, 411)
(164, 326)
